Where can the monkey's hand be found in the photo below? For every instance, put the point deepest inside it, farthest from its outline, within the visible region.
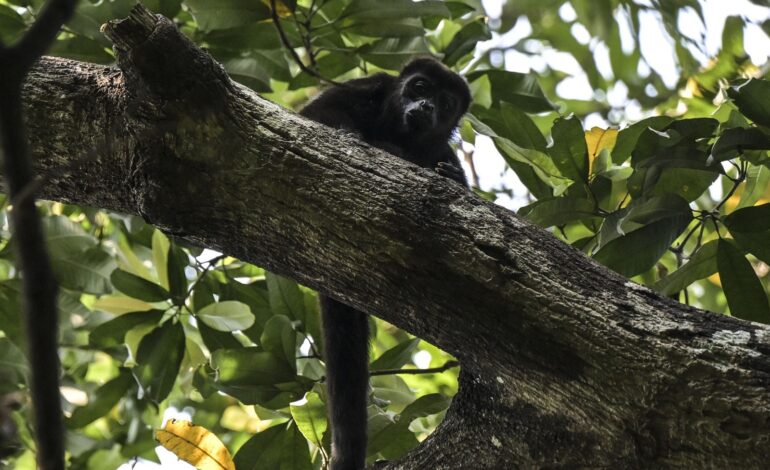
(451, 171)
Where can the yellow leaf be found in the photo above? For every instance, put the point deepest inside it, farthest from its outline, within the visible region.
(598, 139)
(120, 304)
(195, 445)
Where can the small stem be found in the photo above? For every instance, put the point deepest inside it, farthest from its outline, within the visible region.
(447, 365)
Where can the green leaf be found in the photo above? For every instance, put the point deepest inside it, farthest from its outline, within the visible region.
(111, 333)
(137, 287)
(310, 418)
(81, 48)
(102, 400)
(160, 247)
(558, 211)
(397, 356)
(569, 151)
(394, 9)
(755, 243)
(11, 25)
(215, 340)
(13, 367)
(701, 265)
(628, 137)
(158, 359)
(228, 315)
(279, 447)
(285, 297)
(639, 250)
(518, 89)
(225, 14)
(749, 219)
(87, 272)
(167, 8)
(279, 338)
(177, 280)
(250, 366)
(65, 237)
(757, 182)
(424, 406)
(751, 98)
(734, 142)
(392, 53)
(745, 295)
(464, 42)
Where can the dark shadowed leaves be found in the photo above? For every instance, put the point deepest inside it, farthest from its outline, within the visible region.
(745, 295)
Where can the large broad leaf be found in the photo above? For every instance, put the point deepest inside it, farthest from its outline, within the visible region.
(215, 340)
(392, 53)
(285, 297)
(569, 151)
(745, 295)
(81, 48)
(701, 265)
(225, 14)
(279, 447)
(394, 9)
(542, 166)
(755, 243)
(751, 99)
(310, 418)
(87, 272)
(558, 211)
(628, 137)
(397, 356)
(279, 338)
(112, 333)
(250, 366)
(158, 359)
(639, 250)
(749, 219)
(424, 406)
(11, 24)
(195, 445)
(518, 89)
(138, 287)
(464, 42)
(513, 124)
(757, 185)
(735, 141)
(13, 367)
(101, 401)
(177, 279)
(228, 315)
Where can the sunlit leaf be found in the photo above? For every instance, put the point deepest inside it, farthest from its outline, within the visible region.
(195, 445)
(310, 418)
(227, 315)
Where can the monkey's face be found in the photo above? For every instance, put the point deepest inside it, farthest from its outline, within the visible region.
(429, 110)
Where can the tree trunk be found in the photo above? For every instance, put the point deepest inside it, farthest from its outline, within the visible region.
(565, 363)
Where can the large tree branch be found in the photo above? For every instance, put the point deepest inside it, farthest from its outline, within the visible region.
(564, 362)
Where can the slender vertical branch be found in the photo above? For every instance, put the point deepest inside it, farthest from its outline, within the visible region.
(39, 286)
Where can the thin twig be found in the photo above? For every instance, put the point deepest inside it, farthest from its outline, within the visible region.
(287, 44)
(447, 365)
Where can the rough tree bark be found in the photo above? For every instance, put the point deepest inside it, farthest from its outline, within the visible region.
(564, 363)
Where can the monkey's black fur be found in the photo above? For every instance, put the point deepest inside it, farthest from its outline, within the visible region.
(411, 116)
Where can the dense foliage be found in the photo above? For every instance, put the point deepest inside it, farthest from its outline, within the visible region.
(679, 201)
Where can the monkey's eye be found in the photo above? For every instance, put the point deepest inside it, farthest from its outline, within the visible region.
(420, 87)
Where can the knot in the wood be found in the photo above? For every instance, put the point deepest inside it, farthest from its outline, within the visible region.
(159, 61)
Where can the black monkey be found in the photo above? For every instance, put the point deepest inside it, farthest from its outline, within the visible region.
(411, 116)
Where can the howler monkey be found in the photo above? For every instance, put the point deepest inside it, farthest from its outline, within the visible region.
(411, 116)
